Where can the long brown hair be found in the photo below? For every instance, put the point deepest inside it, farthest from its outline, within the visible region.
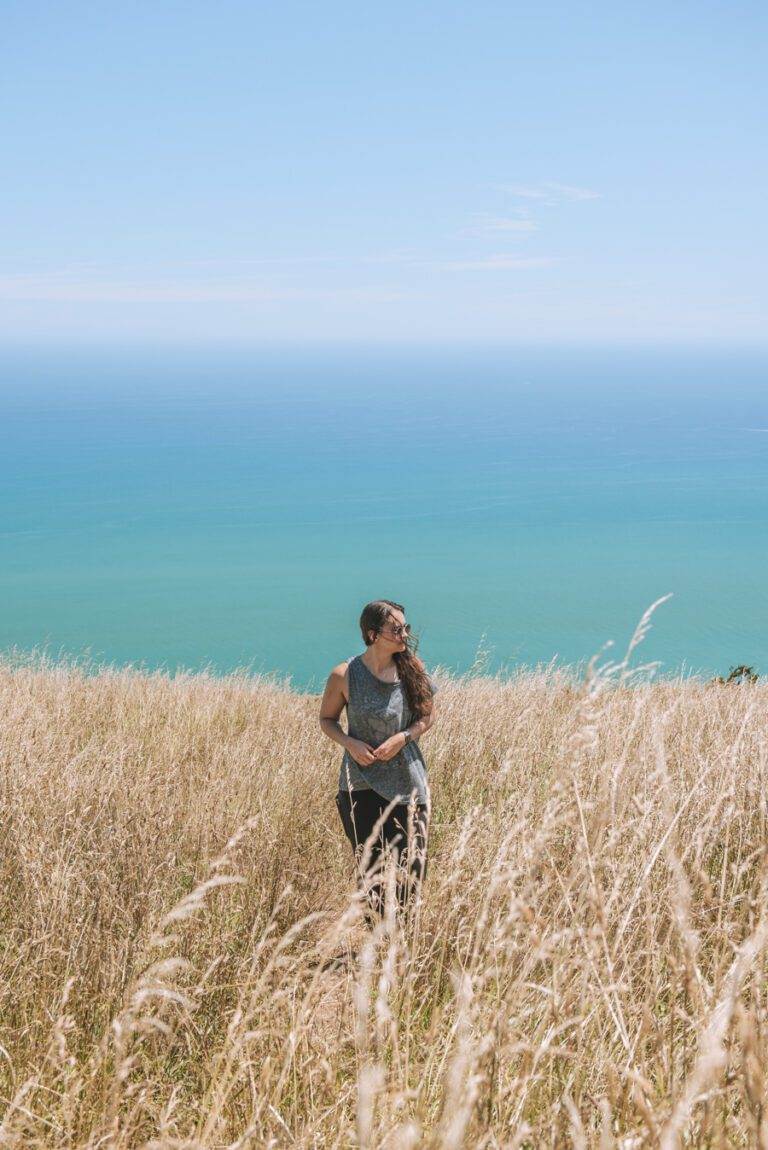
(413, 674)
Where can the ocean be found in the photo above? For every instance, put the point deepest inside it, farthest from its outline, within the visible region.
(235, 508)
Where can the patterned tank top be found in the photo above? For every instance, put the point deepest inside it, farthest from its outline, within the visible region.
(375, 711)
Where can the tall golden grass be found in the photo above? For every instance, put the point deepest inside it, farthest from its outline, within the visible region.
(586, 965)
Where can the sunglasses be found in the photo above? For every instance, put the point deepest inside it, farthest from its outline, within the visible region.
(396, 630)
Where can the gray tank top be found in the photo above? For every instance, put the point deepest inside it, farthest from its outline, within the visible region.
(375, 711)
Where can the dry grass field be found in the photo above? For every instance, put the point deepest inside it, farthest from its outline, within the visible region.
(586, 967)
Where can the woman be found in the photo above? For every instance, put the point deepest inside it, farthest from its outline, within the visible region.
(388, 695)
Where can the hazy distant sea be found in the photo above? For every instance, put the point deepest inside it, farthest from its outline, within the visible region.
(188, 508)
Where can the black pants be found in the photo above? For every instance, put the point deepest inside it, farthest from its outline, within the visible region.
(359, 811)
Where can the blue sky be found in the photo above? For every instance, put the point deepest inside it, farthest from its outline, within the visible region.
(418, 172)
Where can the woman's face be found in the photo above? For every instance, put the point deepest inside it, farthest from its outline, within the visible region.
(390, 634)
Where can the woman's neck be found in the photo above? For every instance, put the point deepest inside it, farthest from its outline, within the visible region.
(376, 664)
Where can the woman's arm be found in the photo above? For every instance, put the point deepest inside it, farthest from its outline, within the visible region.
(333, 703)
(421, 725)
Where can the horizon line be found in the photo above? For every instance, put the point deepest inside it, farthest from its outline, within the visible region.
(377, 343)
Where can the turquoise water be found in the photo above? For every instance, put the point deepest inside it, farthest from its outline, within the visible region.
(226, 509)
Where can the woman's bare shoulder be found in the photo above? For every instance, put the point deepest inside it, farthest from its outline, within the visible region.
(338, 679)
(340, 673)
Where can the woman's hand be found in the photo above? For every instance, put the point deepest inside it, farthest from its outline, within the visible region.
(363, 753)
(390, 747)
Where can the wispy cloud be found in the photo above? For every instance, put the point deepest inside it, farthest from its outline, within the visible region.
(513, 226)
(518, 222)
(501, 263)
(57, 287)
(264, 261)
(264, 281)
(550, 192)
(568, 192)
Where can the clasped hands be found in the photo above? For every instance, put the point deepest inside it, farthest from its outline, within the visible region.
(364, 754)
